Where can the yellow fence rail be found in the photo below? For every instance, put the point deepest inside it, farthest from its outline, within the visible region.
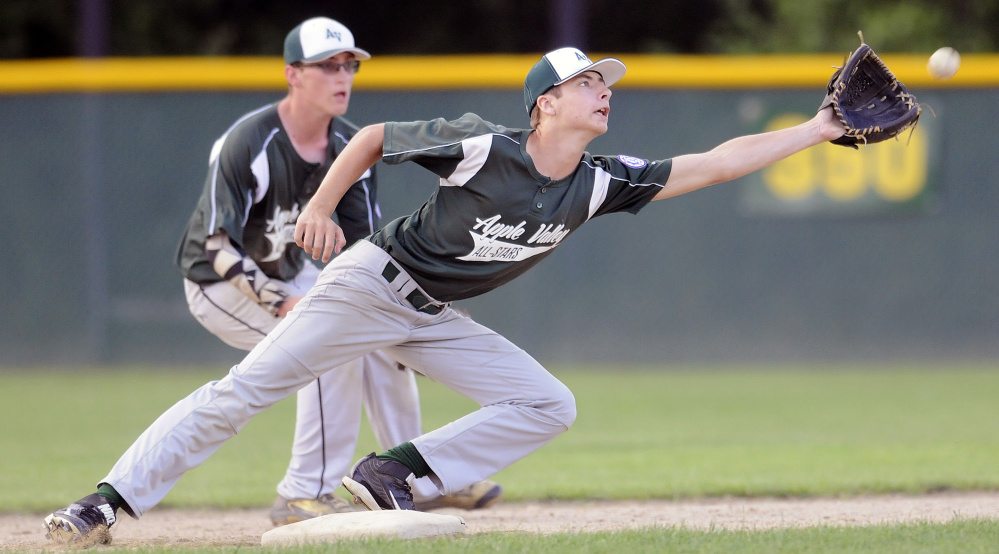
(463, 72)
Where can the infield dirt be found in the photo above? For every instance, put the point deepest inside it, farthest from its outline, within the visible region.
(219, 528)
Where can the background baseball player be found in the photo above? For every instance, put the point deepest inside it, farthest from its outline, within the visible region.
(241, 276)
(507, 198)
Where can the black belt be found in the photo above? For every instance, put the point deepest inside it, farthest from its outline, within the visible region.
(416, 298)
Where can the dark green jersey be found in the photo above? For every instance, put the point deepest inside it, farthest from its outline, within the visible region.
(494, 216)
(256, 187)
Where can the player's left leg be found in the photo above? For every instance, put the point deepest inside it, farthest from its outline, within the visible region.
(392, 402)
(523, 406)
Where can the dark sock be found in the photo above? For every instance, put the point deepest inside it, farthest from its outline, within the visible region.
(112, 496)
(407, 455)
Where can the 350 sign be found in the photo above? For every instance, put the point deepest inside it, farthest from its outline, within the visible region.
(893, 171)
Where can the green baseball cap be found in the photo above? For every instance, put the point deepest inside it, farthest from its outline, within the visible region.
(558, 66)
(318, 39)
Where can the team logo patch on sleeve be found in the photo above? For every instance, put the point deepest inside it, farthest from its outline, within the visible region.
(632, 161)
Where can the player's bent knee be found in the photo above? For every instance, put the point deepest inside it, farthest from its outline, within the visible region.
(561, 407)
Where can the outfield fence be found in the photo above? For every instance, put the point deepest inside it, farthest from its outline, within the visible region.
(886, 253)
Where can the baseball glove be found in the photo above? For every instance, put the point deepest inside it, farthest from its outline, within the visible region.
(868, 100)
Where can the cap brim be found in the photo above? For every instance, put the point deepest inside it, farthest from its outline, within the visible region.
(357, 52)
(611, 69)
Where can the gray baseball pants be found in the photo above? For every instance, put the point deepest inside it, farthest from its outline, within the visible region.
(328, 410)
(353, 311)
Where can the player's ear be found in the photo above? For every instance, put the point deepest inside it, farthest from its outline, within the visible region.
(545, 104)
(291, 74)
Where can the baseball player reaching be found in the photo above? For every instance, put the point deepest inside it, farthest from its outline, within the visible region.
(507, 198)
(242, 272)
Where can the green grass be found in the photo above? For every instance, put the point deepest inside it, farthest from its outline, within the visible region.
(769, 432)
(965, 537)
(641, 433)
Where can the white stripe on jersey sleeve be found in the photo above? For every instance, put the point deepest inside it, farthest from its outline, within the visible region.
(213, 158)
(475, 150)
(217, 147)
(215, 178)
(601, 183)
(261, 168)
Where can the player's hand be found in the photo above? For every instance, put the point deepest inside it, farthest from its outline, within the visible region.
(830, 128)
(288, 305)
(318, 235)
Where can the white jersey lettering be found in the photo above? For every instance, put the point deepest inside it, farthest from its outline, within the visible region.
(493, 229)
(546, 234)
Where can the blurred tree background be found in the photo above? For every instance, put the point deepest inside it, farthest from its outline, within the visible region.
(60, 28)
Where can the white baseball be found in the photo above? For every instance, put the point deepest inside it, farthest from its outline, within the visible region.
(944, 63)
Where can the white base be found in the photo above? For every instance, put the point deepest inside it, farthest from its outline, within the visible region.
(397, 524)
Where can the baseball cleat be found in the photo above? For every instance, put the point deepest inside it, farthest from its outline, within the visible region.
(473, 497)
(87, 521)
(380, 484)
(287, 511)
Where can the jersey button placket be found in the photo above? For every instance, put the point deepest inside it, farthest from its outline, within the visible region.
(538, 204)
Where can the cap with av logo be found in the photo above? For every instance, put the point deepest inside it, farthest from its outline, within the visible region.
(318, 39)
(558, 66)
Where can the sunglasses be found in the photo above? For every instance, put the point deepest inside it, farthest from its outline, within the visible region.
(332, 67)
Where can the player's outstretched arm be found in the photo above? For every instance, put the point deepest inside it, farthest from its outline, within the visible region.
(744, 155)
(315, 231)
